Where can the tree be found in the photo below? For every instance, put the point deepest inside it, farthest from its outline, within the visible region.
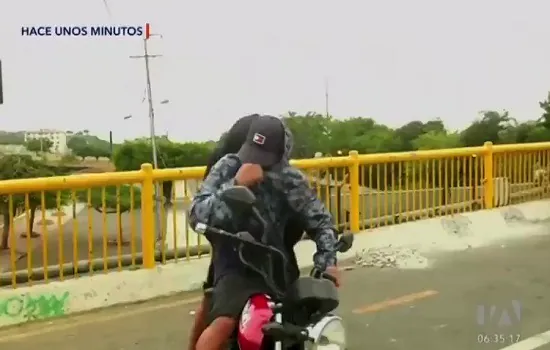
(436, 125)
(132, 154)
(436, 140)
(112, 200)
(39, 145)
(545, 118)
(488, 128)
(85, 145)
(12, 138)
(23, 167)
(537, 134)
(409, 132)
(312, 133)
(99, 152)
(344, 131)
(379, 139)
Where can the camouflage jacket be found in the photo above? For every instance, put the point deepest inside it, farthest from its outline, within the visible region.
(282, 193)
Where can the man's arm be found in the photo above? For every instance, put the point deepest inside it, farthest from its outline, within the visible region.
(207, 206)
(316, 217)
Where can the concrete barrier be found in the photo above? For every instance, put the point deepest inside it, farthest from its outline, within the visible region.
(449, 233)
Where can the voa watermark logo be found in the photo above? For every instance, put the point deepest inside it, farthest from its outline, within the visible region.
(492, 315)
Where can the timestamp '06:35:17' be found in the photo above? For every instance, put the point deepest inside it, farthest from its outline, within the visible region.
(498, 338)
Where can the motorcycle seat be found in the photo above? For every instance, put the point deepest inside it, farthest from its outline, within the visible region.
(316, 295)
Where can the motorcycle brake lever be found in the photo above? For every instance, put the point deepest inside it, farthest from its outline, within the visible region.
(246, 236)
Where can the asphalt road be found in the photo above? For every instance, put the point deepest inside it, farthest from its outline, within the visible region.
(428, 309)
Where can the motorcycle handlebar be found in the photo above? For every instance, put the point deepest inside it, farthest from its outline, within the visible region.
(246, 238)
(243, 237)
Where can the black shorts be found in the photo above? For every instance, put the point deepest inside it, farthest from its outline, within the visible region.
(231, 293)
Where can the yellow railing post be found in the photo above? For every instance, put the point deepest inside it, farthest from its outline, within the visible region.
(147, 217)
(488, 188)
(354, 191)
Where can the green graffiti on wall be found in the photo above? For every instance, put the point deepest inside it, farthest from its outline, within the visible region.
(34, 306)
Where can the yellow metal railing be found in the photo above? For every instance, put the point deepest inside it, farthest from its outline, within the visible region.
(92, 223)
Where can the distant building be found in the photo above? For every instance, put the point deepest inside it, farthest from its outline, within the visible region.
(57, 137)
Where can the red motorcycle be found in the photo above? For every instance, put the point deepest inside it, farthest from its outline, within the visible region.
(296, 318)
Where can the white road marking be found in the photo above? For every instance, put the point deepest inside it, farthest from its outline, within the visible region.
(531, 343)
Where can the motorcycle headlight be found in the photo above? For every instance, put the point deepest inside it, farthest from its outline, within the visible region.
(331, 337)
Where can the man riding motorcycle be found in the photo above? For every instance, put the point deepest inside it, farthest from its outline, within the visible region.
(262, 164)
(231, 142)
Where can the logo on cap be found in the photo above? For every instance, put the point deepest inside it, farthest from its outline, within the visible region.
(258, 139)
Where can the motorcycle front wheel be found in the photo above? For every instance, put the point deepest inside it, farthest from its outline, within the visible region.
(328, 334)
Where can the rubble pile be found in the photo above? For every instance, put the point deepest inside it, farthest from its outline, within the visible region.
(390, 257)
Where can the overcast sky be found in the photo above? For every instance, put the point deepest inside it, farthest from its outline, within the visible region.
(392, 60)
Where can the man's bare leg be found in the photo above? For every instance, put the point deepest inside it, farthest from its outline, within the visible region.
(199, 324)
(216, 336)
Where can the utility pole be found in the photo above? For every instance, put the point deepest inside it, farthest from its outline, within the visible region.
(326, 98)
(158, 200)
(147, 56)
(1, 88)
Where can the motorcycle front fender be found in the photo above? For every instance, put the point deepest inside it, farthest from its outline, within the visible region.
(315, 331)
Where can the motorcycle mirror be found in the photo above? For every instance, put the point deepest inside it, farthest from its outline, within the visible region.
(345, 242)
(239, 196)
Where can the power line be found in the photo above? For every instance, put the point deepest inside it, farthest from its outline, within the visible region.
(107, 8)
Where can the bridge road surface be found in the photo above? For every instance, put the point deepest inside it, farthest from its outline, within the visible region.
(431, 309)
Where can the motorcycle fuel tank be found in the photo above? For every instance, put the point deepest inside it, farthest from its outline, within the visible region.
(256, 313)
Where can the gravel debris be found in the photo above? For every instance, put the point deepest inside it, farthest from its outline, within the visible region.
(390, 257)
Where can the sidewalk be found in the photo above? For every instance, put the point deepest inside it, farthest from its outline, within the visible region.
(25, 245)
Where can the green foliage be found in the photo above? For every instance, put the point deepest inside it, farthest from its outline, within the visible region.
(436, 140)
(314, 132)
(39, 145)
(12, 138)
(489, 128)
(108, 197)
(84, 145)
(545, 117)
(68, 159)
(131, 154)
(24, 167)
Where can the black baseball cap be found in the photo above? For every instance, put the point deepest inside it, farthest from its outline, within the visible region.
(265, 142)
